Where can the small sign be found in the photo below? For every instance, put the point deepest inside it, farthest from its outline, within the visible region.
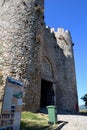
(12, 103)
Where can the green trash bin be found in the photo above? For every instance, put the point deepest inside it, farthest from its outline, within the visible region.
(52, 114)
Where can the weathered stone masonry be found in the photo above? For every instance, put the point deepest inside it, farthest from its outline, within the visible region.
(33, 54)
(20, 29)
(60, 55)
(68, 81)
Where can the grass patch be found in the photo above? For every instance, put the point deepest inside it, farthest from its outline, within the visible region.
(37, 121)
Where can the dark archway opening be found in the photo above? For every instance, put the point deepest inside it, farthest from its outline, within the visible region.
(47, 93)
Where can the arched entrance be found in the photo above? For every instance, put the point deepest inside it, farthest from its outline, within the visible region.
(47, 93)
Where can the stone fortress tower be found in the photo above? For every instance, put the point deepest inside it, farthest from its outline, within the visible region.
(69, 89)
(33, 54)
(58, 69)
(21, 25)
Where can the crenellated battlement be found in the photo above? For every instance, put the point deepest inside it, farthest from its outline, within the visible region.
(59, 31)
(63, 38)
(51, 30)
(65, 33)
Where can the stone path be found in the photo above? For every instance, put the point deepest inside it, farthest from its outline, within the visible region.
(74, 122)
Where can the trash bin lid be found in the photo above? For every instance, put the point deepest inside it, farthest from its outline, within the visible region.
(52, 106)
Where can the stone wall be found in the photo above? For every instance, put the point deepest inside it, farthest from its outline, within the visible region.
(21, 25)
(48, 53)
(58, 50)
(67, 84)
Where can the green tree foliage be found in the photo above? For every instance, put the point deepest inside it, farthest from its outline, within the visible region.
(84, 98)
